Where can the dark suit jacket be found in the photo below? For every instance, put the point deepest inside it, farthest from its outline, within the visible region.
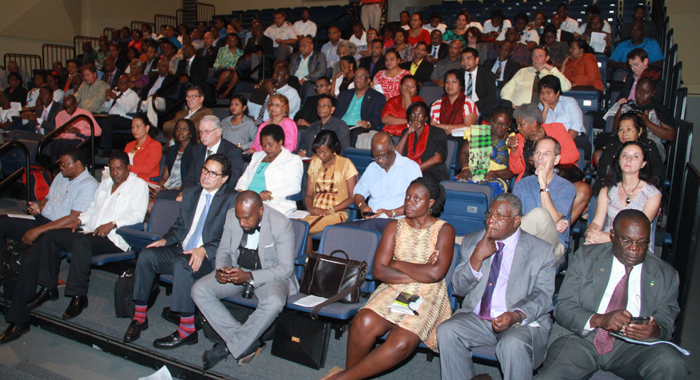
(308, 110)
(121, 63)
(366, 63)
(567, 37)
(486, 90)
(510, 70)
(50, 123)
(209, 55)
(585, 282)
(629, 82)
(185, 161)
(153, 70)
(422, 72)
(442, 50)
(223, 200)
(372, 105)
(265, 44)
(169, 89)
(199, 72)
(226, 148)
(317, 65)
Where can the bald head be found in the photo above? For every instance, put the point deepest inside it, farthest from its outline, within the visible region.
(249, 197)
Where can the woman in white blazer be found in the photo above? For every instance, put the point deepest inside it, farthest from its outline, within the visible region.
(275, 173)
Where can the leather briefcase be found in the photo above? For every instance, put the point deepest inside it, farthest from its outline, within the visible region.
(301, 339)
(329, 276)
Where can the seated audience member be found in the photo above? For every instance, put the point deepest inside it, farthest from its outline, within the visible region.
(332, 180)
(43, 119)
(192, 71)
(484, 159)
(388, 36)
(110, 74)
(71, 192)
(345, 48)
(77, 82)
(164, 88)
(454, 110)
(195, 111)
(91, 94)
(225, 66)
(402, 46)
(187, 251)
(638, 62)
(345, 77)
(416, 33)
(171, 35)
(330, 48)
(437, 49)
(274, 172)
(325, 108)
(33, 94)
(596, 26)
(388, 80)
(503, 67)
(451, 62)
(567, 23)
(638, 15)
(414, 256)
(118, 54)
(307, 115)
(592, 11)
(6, 111)
(18, 94)
(521, 54)
(13, 67)
(75, 134)
(282, 35)
(435, 23)
(178, 159)
(585, 303)
(480, 85)
(239, 129)
(136, 40)
(547, 191)
(404, 18)
(278, 85)
(658, 121)
(580, 67)
(527, 36)
(420, 67)
(474, 41)
(629, 184)
(539, 22)
(558, 51)
(424, 143)
(557, 108)
(278, 106)
(384, 183)
(137, 79)
(305, 27)
(394, 111)
(618, 59)
(52, 82)
(144, 152)
(375, 61)
(307, 65)
(257, 249)
(170, 53)
(630, 128)
(358, 36)
(121, 200)
(361, 107)
(521, 90)
(208, 51)
(120, 103)
(498, 22)
(562, 35)
(508, 313)
(459, 32)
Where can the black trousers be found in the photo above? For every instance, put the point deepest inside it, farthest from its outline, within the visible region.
(109, 125)
(168, 260)
(15, 228)
(582, 142)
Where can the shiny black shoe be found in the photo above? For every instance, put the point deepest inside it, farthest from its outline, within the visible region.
(212, 357)
(174, 341)
(75, 307)
(45, 294)
(14, 331)
(254, 350)
(134, 330)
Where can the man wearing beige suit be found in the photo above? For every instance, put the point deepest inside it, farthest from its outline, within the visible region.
(195, 111)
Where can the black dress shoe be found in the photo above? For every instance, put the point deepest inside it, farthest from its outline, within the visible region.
(75, 307)
(173, 341)
(13, 332)
(212, 357)
(134, 330)
(45, 294)
(254, 350)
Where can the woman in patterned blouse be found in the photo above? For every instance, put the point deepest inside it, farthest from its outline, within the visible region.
(225, 65)
(389, 80)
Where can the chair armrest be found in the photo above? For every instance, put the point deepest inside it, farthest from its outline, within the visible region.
(138, 240)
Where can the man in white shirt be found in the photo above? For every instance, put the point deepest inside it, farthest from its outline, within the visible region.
(479, 85)
(590, 11)
(359, 36)
(282, 35)
(528, 36)
(607, 288)
(330, 48)
(43, 119)
(494, 26)
(305, 27)
(519, 90)
(404, 18)
(118, 103)
(280, 78)
(6, 112)
(435, 23)
(567, 23)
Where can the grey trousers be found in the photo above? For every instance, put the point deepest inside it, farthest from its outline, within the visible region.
(574, 357)
(465, 330)
(539, 223)
(207, 293)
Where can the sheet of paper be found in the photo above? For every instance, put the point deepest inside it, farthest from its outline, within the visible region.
(612, 111)
(653, 343)
(598, 42)
(152, 185)
(161, 374)
(309, 301)
(299, 214)
(21, 216)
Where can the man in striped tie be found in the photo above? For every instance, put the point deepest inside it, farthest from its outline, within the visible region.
(606, 289)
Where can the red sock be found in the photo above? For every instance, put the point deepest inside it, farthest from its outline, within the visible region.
(140, 313)
(186, 327)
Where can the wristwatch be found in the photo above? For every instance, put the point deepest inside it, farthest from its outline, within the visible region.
(545, 190)
(269, 193)
(251, 281)
(393, 214)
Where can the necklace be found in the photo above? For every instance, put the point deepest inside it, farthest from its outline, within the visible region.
(263, 165)
(629, 200)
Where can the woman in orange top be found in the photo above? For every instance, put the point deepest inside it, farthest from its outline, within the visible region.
(144, 152)
(581, 67)
(416, 32)
(394, 112)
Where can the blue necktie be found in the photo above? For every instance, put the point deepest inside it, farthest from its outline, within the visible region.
(485, 310)
(197, 235)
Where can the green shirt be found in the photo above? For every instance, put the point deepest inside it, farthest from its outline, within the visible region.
(258, 183)
(354, 112)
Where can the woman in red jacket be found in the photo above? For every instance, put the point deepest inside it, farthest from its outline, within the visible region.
(144, 152)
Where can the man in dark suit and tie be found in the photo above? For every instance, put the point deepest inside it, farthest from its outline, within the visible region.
(371, 105)
(164, 88)
(507, 279)
(210, 136)
(192, 71)
(606, 286)
(375, 61)
(43, 119)
(187, 251)
(562, 35)
(437, 50)
(420, 68)
(480, 84)
(307, 65)
(111, 73)
(503, 68)
(209, 51)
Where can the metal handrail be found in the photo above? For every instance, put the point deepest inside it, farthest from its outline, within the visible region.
(178, 103)
(12, 177)
(51, 135)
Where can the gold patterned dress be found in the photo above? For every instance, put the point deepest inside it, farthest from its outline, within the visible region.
(415, 246)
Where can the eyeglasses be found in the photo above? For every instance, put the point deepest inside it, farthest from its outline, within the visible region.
(275, 105)
(324, 106)
(381, 158)
(182, 129)
(361, 77)
(192, 96)
(205, 132)
(210, 174)
(498, 217)
(64, 165)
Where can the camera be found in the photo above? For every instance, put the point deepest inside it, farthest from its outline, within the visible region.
(248, 291)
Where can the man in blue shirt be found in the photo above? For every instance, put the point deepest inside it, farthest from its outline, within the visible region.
(385, 180)
(547, 198)
(618, 59)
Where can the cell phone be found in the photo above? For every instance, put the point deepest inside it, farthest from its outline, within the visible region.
(368, 213)
(640, 320)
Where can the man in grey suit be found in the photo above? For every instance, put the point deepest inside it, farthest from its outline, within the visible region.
(256, 257)
(507, 279)
(187, 251)
(307, 65)
(606, 286)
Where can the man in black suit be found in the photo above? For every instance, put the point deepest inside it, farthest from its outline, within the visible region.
(150, 67)
(192, 71)
(370, 110)
(562, 35)
(375, 61)
(437, 50)
(258, 45)
(421, 68)
(211, 142)
(503, 68)
(480, 85)
(209, 51)
(111, 73)
(43, 119)
(164, 88)
(187, 251)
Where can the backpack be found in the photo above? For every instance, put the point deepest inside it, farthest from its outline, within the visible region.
(124, 291)
(39, 182)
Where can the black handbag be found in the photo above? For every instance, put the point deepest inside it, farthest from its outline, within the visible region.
(301, 339)
(570, 172)
(124, 293)
(10, 258)
(335, 278)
